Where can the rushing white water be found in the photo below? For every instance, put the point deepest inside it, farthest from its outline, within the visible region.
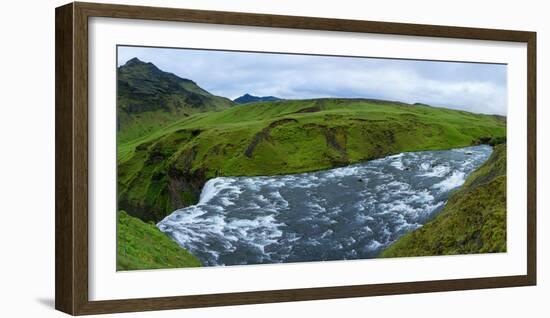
(351, 212)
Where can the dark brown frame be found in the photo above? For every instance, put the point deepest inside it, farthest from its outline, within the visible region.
(71, 157)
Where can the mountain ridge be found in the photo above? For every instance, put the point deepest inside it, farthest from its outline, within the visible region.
(248, 98)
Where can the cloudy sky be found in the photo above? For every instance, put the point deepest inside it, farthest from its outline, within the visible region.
(474, 87)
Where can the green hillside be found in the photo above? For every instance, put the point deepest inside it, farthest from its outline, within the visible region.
(149, 98)
(144, 246)
(473, 220)
(165, 169)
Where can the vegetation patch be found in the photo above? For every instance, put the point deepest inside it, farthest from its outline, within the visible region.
(142, 245)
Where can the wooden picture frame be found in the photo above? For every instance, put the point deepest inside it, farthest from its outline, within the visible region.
(72, 280)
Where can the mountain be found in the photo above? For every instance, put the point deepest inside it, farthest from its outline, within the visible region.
(247, 98)
(149, 98)
(164, 171)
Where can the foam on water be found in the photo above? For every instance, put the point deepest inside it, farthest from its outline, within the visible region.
(213, 188)
(350, 212)
(455, 180)
(437, 171)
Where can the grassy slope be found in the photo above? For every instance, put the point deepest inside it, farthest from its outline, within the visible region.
(473, 220)
(143, 246)
(166, 169)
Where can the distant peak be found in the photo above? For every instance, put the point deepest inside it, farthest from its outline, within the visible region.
(248, 98)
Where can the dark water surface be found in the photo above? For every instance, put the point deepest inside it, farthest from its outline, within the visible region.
(352, 212)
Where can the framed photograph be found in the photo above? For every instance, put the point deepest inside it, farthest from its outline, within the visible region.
(211, 158)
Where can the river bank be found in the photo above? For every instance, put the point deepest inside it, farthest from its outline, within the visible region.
(473, 220)
(352, 212)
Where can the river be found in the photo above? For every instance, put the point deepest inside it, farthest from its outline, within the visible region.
(351, 212)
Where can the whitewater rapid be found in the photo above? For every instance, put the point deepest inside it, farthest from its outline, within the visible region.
(352, 212)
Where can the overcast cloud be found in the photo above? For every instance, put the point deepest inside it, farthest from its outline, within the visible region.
(474, 87)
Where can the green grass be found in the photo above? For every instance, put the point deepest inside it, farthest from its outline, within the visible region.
(166, 168)
(143, 246)
(473, 220)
